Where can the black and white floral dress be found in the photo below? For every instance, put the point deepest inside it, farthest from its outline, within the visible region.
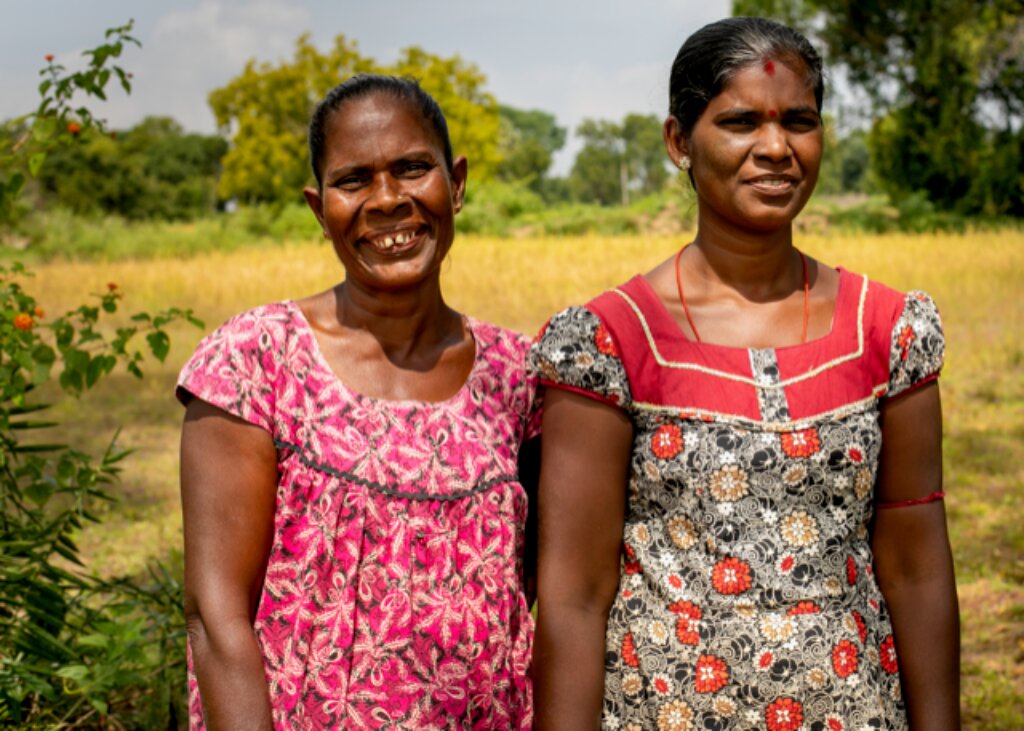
(747, 598)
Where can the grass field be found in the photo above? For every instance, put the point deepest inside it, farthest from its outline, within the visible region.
(976, 279)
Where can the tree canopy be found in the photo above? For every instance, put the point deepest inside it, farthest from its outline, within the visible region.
(529, 140)
(946, 80)
(265, 111)
(619, 159)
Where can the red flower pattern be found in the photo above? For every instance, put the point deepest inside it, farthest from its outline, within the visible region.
(805, 607)
(686, 625)
(862, 628)
(667, 441)
(845, 659)
(887, 651)
(801, 443)
(765, 661)
(711, 674)
(906, 339)
(629, 655)
(784, 714)
(731, 576)
(851, 571)
(604, 342)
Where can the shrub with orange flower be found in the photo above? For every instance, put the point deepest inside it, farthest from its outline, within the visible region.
(40, 312)
(731, 576)
(667, 441)
(802, 443)
(844, 659)
(74, 128)
(784, 714)
(23, 321)
(711, 674)
(48, 57)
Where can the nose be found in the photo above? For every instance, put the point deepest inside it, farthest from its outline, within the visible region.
(773, 143)
(386, 194)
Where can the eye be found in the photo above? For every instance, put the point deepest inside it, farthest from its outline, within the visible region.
(413, 169)
(350, 182)
(802, 123)
(739, 124)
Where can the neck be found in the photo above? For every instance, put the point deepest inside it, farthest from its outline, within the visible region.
(404, 322)
(758, 266)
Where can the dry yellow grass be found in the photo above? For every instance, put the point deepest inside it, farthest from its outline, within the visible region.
(519, 283)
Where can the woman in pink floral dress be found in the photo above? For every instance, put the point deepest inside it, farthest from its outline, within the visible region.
(354, 519)
(740, 521)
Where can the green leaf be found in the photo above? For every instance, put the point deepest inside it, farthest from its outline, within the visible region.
(15, 184)
(94, 640)
(41, 491)
(35, 163)
(159, 344)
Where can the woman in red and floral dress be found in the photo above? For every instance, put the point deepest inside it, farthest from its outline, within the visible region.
(741, 523)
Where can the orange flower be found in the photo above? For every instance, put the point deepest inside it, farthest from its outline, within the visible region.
(23, 321)
(629, 655)
(844, 659)
(804, 607)
(40, 312)
(801, 443)
(712, 674)
(112, 286)
(731, 576)
(667, 441)
(74, 128)
(887, 651)
(48, 57)
(784, 714)
(604, 341)
(688, 622)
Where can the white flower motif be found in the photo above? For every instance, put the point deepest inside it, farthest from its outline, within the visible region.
(727, 458)
(769, 516)
(725, 508)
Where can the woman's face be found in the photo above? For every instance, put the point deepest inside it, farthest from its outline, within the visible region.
(388, 201)
(756, 149)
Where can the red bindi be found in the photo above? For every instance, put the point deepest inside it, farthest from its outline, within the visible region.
(769, 67)
(772, 113)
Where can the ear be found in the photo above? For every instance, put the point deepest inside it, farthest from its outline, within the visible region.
(316, 204)
(675, 141)
(460, 169)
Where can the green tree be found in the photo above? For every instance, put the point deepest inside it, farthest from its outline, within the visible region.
(945, 78)
(265, 112)
(153, 170)
(619, 160)
(529, 140)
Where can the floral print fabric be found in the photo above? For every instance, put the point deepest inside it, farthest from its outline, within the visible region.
(393, 595)
(746, 598)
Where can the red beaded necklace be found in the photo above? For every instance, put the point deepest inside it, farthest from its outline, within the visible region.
(807, 297)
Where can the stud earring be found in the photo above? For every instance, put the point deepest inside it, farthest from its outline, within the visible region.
(684, 162)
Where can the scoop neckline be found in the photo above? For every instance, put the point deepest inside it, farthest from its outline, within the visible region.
(470, 323)
(838, 321)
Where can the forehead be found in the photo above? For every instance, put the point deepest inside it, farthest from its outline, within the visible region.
(779, 82)
(379, 119)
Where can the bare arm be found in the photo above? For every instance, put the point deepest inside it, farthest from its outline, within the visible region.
(582, 501)
(228, 487)
(913, 562)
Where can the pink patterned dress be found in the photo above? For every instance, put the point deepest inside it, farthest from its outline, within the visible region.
(394, 594)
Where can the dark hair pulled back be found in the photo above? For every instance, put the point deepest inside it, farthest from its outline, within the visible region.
(366, 85)
(714, 54)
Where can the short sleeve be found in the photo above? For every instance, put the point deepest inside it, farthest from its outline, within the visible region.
(918, 347)
(234, 368)
(576, 352)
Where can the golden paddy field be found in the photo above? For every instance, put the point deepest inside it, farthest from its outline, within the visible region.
(977, 279)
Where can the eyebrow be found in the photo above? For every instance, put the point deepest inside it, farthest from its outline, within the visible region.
(747, 112)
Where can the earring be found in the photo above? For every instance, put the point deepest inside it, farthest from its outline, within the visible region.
(684, 162)
(326, 235)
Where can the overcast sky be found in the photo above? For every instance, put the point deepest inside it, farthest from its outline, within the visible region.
(573, 58)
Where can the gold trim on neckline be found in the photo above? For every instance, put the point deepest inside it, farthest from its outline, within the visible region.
(817, 370)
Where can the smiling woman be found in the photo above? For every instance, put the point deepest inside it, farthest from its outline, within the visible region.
(354, 515)
(744, 444)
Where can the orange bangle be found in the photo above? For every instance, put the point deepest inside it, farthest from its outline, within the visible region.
(937, 495)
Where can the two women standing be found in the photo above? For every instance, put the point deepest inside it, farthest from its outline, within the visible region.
(740, 515)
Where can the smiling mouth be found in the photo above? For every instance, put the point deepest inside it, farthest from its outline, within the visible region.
(773, 183)
(393, 240)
